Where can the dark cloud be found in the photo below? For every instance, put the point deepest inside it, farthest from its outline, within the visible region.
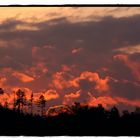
(119, 70)
(125, 89)
(135, 57)
(10, 24)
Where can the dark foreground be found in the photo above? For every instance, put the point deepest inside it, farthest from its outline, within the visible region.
(85, 122)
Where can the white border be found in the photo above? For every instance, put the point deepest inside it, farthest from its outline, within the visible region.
(70, 138)
(63, 2)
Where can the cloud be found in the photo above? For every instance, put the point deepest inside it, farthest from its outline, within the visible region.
(2, 81)
(76, 50)
(130, 49)
(71, 97)
(104, 100)
(73, 14)
(61, 80)
(132, 65)
(93, 77)
(125, 89)
(51, 94)
(95, 52)
(108, 102)
(23, 77)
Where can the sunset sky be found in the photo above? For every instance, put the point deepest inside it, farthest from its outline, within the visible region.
(85, 54)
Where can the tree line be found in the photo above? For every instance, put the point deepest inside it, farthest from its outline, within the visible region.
(84, 121)
(20, 102)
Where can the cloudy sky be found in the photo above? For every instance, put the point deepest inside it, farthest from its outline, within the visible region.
(84, 54)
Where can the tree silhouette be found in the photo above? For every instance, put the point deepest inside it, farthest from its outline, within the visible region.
(125, 113)
(76, 107)
(137, 111)
(91, 121)
(14, 100)
(100, 110)
(31, 103)
(114, 113)
(21, 100)
(42, 104)
(6, 105)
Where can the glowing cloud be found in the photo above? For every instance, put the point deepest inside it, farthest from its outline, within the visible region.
(51, 94)
(101, 84)
(23, 77)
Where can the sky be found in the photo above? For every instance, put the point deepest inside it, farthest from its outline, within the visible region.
(71, 54)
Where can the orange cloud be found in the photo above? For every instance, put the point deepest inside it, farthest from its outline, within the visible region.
(6, 98)
(51, 94)
(70, 98)
(73, 95)
(38, 14)
(2, 81)
(60, 82)
(128, 102)
(101, 84)
(106, 101)
(23, 77)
